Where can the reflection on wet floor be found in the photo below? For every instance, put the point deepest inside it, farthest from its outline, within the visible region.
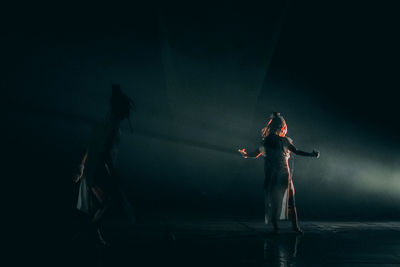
(281, 250)
(244, 243)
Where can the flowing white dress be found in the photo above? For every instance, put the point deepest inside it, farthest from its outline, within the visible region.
(278, 180)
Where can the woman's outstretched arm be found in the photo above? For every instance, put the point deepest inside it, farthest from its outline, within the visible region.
(255, 154)
(293, 149)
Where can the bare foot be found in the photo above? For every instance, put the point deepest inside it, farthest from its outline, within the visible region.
(297, 230)
(104, 243)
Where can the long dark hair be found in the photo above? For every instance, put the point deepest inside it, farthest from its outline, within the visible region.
(120, 103)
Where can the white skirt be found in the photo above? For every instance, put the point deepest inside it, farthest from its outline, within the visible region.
(85, 201)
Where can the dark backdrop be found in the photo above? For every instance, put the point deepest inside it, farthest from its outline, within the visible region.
(205, 76)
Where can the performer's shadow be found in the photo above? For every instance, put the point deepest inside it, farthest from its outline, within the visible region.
(281, 250)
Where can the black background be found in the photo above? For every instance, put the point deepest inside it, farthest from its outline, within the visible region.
(205, 76)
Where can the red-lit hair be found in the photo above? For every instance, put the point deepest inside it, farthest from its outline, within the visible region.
(276, 124)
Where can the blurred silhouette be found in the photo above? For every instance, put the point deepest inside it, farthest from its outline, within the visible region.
(99, 182)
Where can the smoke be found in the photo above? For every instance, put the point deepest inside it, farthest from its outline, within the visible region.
(359, 173)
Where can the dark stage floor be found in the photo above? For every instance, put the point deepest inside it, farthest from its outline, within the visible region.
(243, 243)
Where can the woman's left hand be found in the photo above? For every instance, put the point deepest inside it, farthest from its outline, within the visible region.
(316, 153)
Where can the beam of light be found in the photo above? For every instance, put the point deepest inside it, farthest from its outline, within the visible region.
(142, 132)
(187, 141)
(359, 174)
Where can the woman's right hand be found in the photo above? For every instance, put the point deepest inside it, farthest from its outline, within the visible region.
(243, 152)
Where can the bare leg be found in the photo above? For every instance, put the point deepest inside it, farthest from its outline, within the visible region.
(96, 220)
(100, 236)
(293, 213)
(99, 215)
(295, 224)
